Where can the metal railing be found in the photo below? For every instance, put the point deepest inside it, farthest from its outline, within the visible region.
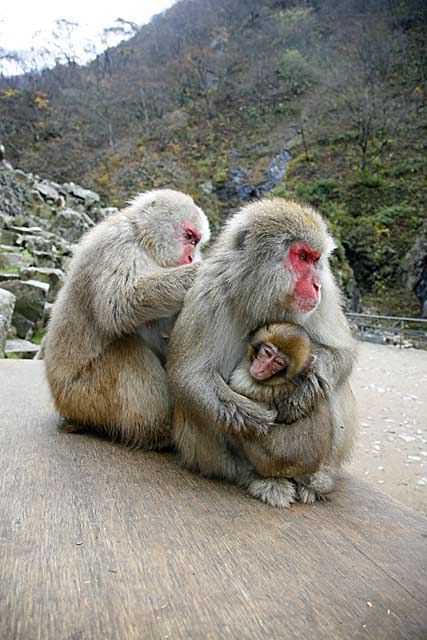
(389, 327)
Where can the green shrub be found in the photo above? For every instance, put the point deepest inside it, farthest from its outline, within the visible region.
(295, 71)
(318, 192)
(366, 179)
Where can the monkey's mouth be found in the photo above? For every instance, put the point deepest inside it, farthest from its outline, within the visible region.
(305, 304)
(261, 375)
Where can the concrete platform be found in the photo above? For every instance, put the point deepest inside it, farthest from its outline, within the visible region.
(101, 542)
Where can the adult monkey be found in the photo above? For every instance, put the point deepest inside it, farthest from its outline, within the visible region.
(106, 342)
(270, 264)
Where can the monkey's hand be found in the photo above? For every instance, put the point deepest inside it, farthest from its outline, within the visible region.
(210, 400)
(309, 364)
(333, 366)
(160, 294)
(245, 417)
(304, 395)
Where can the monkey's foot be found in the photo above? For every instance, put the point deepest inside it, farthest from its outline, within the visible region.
(309, 496)
(278, 492)
(315, 487)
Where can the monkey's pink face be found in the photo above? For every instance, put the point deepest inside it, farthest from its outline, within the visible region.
(304, 262)
(268, 361)
(190, 238)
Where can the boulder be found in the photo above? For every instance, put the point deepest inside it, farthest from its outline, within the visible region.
(44, 211)
(24, 178)
(44, 259)
(53, 277)
(70, 224)
(8, 237)
(3, 335)
(30, 297)
(415, 269)
(88, 197)
(20, 349)
(24, 327)
(65, 263)
(36, 197)
(7, 305)
(47, 191)
(13, 259)
(5, 275)
(36, 243)
(4, 219)
(32, 231)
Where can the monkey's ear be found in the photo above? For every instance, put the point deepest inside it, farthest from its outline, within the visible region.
(240, 238)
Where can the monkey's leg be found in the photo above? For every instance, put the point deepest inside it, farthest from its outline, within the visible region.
(215, 455)
(122, 394)
(208, 452)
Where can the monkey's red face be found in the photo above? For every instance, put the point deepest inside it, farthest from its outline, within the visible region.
(190, 239)
(304, 262)
(268, 361)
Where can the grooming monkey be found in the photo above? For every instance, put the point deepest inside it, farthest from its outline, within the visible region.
(107, 336)
(277, 354)
(270, 264)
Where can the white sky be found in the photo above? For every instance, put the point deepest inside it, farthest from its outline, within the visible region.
(28, 23)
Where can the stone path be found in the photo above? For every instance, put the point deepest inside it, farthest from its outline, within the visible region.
(391, 451)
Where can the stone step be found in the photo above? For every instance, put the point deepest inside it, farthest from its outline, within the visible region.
(17, 348)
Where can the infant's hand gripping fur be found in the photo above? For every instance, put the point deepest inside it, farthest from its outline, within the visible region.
(306, 393)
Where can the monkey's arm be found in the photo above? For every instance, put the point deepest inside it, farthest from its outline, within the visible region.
(124, 303)
(205, 347)
(161, 294)
(331, 368)
(212, 403)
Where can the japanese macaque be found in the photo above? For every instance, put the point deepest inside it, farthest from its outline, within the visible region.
(270, 264)
(277, 354)
(107, 337)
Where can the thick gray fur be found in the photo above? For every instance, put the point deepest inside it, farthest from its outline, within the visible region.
(241, 287)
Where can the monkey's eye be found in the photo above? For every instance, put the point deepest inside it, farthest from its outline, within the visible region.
(303, 256)
(281, 362)
(266, 350)
(188, 235)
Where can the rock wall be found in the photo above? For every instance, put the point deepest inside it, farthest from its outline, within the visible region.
(415, 271)
(40, 224)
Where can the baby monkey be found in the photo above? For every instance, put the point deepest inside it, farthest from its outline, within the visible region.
(297, 446)
(279, 352)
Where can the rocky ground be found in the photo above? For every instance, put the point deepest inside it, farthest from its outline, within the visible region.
(391, 450)
(40, 223)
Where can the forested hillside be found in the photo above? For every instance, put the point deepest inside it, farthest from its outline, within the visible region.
(318, 100)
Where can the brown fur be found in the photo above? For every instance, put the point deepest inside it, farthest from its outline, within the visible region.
(291, 450)
(291, 340)
(287, 450)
